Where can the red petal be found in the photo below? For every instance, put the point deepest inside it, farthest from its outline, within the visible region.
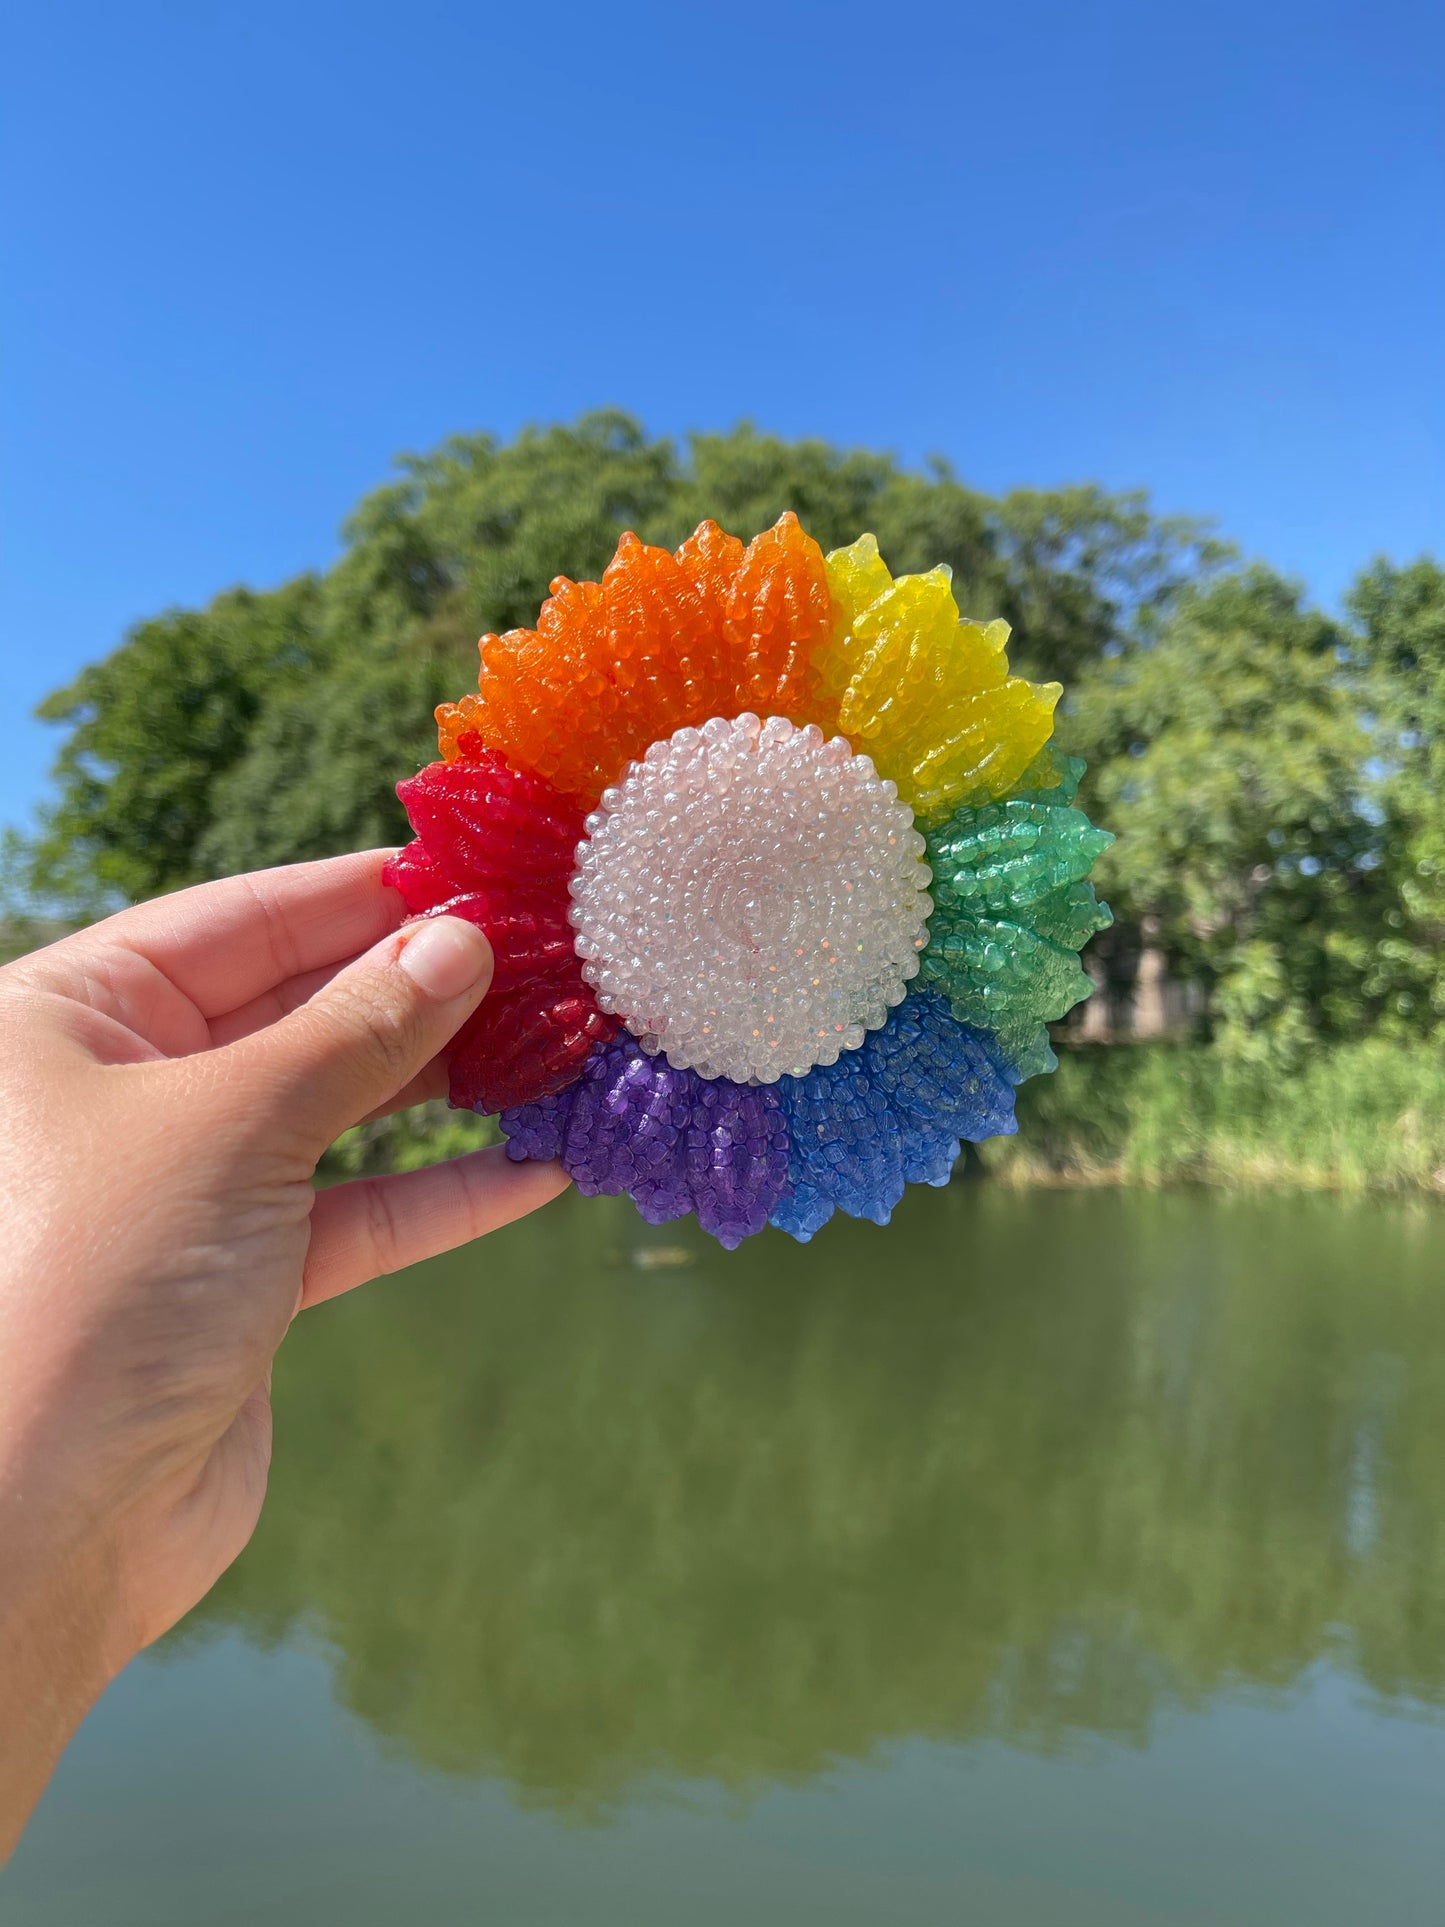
(497, 847)
(422, 885)
(525, 1043)
(527, 928)
(484, 822)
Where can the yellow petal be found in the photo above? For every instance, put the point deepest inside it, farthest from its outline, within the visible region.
(927, 695)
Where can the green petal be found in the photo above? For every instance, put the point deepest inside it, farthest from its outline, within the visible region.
(995, 972)
(1052, 777)
(1012, 908)
(1004, 856)
(1070, 916)
(1028, 1049)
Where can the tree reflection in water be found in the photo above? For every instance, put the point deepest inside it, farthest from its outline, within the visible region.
(1022, 1466)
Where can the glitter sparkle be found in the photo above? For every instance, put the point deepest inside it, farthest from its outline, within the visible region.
(751, 899)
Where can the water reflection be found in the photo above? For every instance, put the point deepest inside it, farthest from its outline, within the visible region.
(1022, 1466)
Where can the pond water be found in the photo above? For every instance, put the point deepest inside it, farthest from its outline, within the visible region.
(1048, 1558)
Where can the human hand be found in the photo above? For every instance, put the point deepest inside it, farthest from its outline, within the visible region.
(168, 1080)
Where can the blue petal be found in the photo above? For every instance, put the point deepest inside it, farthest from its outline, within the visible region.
(890, 1114)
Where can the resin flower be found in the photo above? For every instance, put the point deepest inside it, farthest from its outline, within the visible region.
(783, 881)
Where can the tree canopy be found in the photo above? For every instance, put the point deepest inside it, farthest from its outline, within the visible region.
(1273, 774)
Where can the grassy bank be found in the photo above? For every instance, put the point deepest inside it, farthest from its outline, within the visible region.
(407, 1141)
(1360, 1117)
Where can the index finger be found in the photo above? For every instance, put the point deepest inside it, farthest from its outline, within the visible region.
(223, 943)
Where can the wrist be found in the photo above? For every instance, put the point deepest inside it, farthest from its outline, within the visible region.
(60, 1646)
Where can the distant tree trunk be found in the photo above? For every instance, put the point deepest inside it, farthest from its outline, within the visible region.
(1151, 1009)
(1096, 1023)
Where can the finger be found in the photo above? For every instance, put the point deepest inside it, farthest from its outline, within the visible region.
(221, 944)
(272, 1005)
(375, 1225)
(357, 1043)
(425, 1088)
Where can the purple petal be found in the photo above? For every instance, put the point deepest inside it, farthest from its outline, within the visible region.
(673, 1141)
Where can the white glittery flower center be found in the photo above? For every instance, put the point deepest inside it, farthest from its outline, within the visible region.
(751, 899)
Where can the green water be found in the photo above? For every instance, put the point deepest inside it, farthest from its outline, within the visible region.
(1044, 1559)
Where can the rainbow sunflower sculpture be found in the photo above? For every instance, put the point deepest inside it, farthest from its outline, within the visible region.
(782, 879)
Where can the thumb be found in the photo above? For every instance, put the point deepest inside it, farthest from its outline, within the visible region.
(364, 1036)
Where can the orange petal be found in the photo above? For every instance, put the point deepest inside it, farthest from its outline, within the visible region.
(662, 642)
(780, 619)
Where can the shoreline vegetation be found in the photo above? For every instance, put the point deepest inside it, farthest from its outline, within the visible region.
(1353, 1117)
(1360, 1117)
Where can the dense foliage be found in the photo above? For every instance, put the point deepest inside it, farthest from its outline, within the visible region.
(1358, 1114)
(1274, 776)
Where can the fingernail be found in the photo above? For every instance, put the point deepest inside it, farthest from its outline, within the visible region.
(446, 957)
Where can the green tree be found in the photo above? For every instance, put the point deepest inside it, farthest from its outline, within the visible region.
(1229, 757)
(1085, 571)
(273, 726)
(1072, 569)
(153, 730)
(1399, 648)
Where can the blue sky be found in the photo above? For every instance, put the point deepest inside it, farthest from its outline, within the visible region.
(252, 251)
